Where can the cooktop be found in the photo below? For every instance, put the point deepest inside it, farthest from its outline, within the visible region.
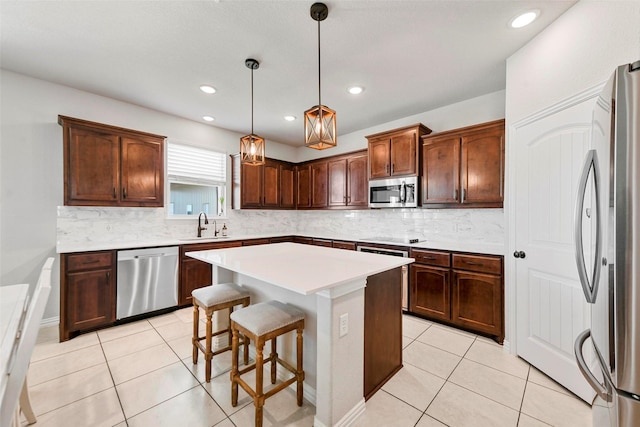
(394, 239)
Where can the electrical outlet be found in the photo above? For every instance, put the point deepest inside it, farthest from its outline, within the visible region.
(344, 324)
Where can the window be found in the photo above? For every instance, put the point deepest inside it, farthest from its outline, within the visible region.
(197, 180)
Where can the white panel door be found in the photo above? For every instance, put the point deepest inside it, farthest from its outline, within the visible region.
(550, 307)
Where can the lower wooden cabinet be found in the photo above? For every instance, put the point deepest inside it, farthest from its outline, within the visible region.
(465, 290)
(87, 292)
(196, 274)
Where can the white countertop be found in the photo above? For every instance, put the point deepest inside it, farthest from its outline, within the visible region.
(460, 246)
(304, 269)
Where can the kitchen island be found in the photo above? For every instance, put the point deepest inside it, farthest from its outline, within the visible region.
(341, 321)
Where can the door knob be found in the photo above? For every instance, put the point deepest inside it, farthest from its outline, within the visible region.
(519, 254)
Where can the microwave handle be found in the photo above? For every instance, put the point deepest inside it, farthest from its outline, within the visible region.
(403, 193)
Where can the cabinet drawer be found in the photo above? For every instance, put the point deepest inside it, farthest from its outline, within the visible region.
(208, 246)
(440, 259)
(344, 245)
(322, 242)
(89, 261)
(483, 264)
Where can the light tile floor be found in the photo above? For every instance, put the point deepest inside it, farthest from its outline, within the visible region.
(140, 374)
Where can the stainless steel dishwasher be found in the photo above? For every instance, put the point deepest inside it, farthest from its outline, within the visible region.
(147, 280)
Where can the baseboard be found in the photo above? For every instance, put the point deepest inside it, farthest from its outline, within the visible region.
(50, 321)
(348, 419)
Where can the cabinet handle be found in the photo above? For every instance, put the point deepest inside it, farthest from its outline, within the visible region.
(455, 194)
(386, 168)
(464, 195)
(124, 193)
(472, 263)
(428, 257)
(93, 261)
(108, 276)
(114, 193)
(393, 166)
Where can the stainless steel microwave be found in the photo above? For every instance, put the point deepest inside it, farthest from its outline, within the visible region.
(394, 193)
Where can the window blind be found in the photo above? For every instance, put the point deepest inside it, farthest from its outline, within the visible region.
(195, 165)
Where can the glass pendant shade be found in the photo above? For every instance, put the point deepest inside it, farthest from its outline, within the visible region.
(320, 127)
(252, 145)
(252, 150)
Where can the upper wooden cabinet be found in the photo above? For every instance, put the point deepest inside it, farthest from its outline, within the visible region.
(396, 152)
(319, 181)
(464, 167)
(111, 166)
(348, 181)
(268, 186)
(303, 187)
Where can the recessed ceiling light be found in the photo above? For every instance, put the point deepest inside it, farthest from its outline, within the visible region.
(289, 118)
(524, 19)
(208, 89)
(355, 90)
(208, 118)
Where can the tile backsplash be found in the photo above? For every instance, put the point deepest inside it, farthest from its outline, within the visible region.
(108, 225)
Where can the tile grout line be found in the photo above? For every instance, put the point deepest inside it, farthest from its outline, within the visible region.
(124, 415)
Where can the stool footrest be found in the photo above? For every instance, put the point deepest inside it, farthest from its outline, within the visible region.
(279, 387)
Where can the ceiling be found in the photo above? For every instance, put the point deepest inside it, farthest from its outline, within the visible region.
(410, 56)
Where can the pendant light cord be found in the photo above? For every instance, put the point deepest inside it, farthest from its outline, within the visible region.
(251, 101)
(319, 81)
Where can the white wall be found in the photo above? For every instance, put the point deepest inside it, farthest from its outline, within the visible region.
(577, 51)
(31, 164)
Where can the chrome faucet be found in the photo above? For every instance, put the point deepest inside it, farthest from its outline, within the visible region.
(206, 221)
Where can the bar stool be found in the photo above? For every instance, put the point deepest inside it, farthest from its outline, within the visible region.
(211, 299)
(260, 323)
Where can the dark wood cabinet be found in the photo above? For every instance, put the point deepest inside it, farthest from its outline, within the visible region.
(319, 184)
(87, 292)
(382, 329)
(268, 186)
(464, 290)
(254, 242)
(322, 242)
(396, 152)
(477, 290)
(110, 166)
(303, 240)
(287, 186)
(194, 273)
(282, 239)
(348, 184)
(338, 244)
(464, 167)
(303, 186)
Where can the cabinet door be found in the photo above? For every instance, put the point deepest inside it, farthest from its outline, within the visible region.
(477, 302)
(271, 184)
(251, 186)
(482, 164)
(379, 156)
(404, 160)
(142, 172)
(319, 180)
(287, 186)
(430, 292)
(92, 168)
(440, 176)
(90, 299)
(337, 182)
(194, 274)
(303, 193)
(357, 182)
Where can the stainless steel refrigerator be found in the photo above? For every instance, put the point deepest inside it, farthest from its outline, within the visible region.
(607, 234)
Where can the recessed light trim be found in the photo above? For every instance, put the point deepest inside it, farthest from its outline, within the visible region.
(524, 19)
(208, 118)
(355, 90)
(208, 89)
(289, 118)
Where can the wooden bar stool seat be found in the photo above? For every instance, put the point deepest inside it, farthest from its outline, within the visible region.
(260, 323)
(211, 299)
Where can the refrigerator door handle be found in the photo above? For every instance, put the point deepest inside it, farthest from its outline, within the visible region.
(586, 372)
(589, 287)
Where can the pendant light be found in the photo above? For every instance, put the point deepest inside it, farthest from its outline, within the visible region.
(320, 121)
(252, 145)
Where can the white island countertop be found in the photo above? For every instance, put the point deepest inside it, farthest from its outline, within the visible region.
(304, 269)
